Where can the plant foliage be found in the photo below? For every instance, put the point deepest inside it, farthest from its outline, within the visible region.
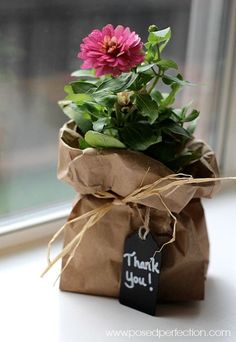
(130, 112)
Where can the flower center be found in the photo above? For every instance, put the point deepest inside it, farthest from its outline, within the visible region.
(110, 45)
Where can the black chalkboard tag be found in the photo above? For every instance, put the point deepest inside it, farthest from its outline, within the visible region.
(140, 273)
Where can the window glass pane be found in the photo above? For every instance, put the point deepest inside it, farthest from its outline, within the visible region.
(39, 41)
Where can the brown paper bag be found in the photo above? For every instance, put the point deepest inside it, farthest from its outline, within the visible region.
(96, 265)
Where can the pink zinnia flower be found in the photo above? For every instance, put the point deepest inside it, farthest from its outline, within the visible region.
(111, 50)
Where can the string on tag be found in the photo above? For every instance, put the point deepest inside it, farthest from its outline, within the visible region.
(144, 229)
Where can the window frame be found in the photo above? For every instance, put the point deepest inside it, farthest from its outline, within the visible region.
(217, 81)
(226, 127)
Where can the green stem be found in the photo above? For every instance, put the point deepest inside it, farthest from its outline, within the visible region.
(154, 84)
(158, 52)
(159, 74)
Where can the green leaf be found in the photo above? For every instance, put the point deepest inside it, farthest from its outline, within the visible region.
(78, 98)
(82, 119)
(82, 87)
(68, 89)
(107, 100)
(159, 36)
(181, 113)
(192, 116)
(141, 81)
(132, 79)
(150, 54)
(113, 132)
(183, 159)
(117, 84)
(178, 113)
(113, 84)
(145, 67)
(94, 109)
(84, 73)
(139, 136)
(167, 64)
(83, 144)
(174, 128)
(96, 139)
(99, 124)
(147, 106)
(163, 151)
(164, 113)
(168, 79)
(170, 98)
(156, 96)
(191, 128)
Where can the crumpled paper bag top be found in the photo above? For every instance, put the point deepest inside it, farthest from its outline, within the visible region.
(123, 171)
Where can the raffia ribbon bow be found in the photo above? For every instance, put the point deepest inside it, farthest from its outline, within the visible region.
(143, 192)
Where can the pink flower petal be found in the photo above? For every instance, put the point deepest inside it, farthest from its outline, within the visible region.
(87, 64)
(111, 50)
(119, 31)
(108, 30)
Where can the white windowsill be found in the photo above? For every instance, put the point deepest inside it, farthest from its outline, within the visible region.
(33, 310)
(31, 227)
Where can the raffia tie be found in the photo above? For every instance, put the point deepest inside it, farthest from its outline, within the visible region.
(143, 192)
